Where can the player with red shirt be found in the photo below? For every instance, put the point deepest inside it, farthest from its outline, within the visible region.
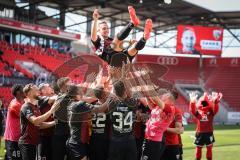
(172, 149)
(204, 110)
(162, 114)
(12, 131)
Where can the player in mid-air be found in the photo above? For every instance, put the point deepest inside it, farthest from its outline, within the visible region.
(107, 47)
(204, 110)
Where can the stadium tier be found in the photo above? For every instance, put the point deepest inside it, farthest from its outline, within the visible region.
(218, 74)
(180, 69)
(6, 95)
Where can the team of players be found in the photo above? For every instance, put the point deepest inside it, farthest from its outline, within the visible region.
(112, 122)
(101, 119)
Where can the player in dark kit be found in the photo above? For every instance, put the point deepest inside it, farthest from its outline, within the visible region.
(31, 121)
(122, 142)
(61, 130)
(106, 47)
(80, 115)
(100, 129)
(45, 145)
(204, 110)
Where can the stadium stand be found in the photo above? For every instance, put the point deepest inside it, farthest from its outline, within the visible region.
(229, 76)
(6, 95)
(216, 72)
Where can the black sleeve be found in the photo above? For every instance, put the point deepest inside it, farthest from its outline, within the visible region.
(1, 116)
(43, 102)
(27, 111)
(80, 112)
(111, 104)
(81, 107)
(134, 102)
(97, 42)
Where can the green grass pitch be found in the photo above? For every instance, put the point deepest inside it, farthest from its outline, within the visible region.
(226, 147)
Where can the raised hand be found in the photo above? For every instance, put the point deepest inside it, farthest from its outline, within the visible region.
(193, 97)
(216, 97)
(95, 14)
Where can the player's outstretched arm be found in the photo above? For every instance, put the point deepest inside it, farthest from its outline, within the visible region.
(94, 25)
(38, 120)
(216, 99)
(45, 125)
(193, 100)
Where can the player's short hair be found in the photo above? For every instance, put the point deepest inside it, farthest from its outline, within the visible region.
(175, 94)
(27, 88)
(62, 81)
(98, 92)
(43, 85)
(16, 88)
(119, 88)
(55, 87)
(102, 22)
(73, 90)
(204, 103)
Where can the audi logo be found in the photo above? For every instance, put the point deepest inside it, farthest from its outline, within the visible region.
(167, 60)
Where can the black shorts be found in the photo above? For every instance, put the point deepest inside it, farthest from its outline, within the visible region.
(204, 139)
(181, 151)
(99, 147)
(28, 151)
(59, 151)
(171, 152)
(152, 150)
(13, 151)
(45, 148)
(77, 150)
(139, 143)
(122, 149)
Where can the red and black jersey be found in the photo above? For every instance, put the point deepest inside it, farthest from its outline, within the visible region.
(205, 116)
(45, 107)
(100, 124)
(79, 122)
(139, 124)
(103, 48)
(172, 138)
(29, 132)
(121, 116)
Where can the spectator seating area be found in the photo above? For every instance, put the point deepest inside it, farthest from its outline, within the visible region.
(224, 77)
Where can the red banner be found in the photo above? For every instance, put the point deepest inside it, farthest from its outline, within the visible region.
(199, 40)
(12, 24)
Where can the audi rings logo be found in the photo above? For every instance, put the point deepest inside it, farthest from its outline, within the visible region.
(168, 61)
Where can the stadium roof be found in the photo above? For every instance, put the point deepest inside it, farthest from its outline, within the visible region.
(166, 17)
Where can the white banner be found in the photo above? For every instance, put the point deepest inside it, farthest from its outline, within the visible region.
(233, 115)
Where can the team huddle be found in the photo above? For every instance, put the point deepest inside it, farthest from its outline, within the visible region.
(118, 116)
